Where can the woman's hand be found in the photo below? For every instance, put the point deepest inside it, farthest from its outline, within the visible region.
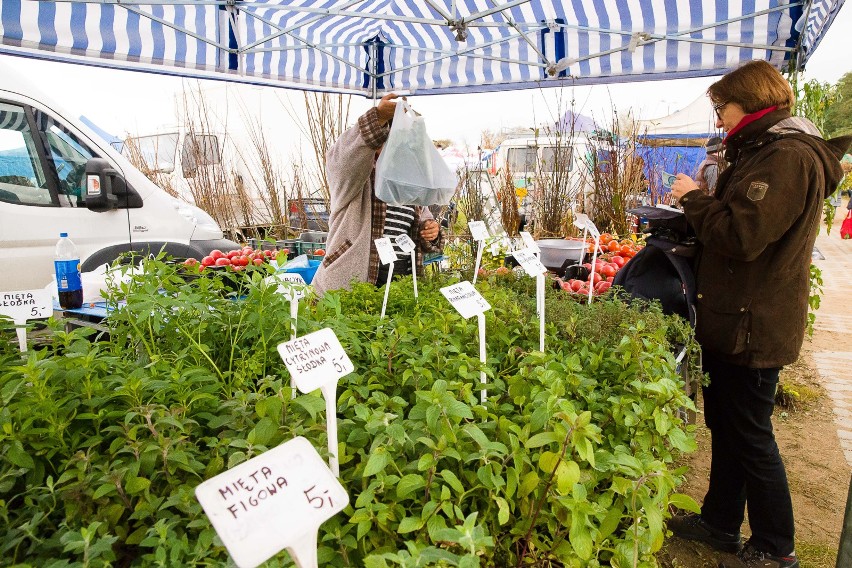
(683, 185)
(386, 108)
(429, 230)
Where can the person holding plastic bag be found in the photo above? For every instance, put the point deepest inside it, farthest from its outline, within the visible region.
(358, 217)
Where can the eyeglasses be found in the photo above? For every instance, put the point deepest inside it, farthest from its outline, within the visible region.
(717, 107)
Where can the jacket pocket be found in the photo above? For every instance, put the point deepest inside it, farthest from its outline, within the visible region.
(336, 253)
(723, 322)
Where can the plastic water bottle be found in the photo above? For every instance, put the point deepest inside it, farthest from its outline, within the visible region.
(67, 265)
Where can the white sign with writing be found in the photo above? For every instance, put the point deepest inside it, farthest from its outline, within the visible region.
(494, 247)
(405, 243)
(466, 299)
(315, 359)
(25, 305)
(274, 501)
(529, 262)
(478, 230)
(529, 242)
(386, 252)
(293, 277)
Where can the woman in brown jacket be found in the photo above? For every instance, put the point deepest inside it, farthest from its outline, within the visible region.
(757, 231)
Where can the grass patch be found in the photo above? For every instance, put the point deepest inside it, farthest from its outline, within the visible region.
(816, 555)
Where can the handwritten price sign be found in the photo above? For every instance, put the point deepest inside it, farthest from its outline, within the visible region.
(274, 501)
(466, 299)
(315, 359)
(26, 305)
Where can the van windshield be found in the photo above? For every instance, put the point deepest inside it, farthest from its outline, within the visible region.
(555, 159)
(522, 159)
(155, 153)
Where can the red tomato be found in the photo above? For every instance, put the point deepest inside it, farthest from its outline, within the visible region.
(208, 261)
(607, 271)
(619, 260)
(605, 238)
(594, 278)
(246, 250)
(285, 251)
(190, 262)
(613, 246)
(602, 287)
(576, 285)
(234, 253)
(216, 253)
(610, 279)
(240, 261)
(565, 286)
(319, 252)
(223, 261)
(267, 253)
(257, 261)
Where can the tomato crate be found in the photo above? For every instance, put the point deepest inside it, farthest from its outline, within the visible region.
(291, 245)
(308, 247)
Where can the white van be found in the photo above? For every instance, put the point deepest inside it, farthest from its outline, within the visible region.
(530, 158)
(46, 157)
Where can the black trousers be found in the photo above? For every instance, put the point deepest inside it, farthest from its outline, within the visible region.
(746, 467)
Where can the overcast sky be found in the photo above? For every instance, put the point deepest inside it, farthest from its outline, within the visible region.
(124, 102)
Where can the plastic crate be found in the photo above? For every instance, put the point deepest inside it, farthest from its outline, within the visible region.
(308, 247)
(291, 245)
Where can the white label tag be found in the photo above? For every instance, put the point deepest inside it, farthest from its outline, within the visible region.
(494, 247)
(271, 502)
(529, 262)
(405, 243)
(293, 277)
(582, 221)
(290, 285)
(466, 299)
(529, 242)
(386, 252)
(478, 230)
(25, 305)
(315, 359)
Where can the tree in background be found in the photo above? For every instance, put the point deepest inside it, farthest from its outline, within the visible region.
(489, 139)
(838, 115)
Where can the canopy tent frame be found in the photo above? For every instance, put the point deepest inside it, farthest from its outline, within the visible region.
(235, 48)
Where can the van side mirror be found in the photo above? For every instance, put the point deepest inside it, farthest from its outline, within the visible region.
(103, 183)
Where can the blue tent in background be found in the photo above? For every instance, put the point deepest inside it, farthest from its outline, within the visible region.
(675, 143)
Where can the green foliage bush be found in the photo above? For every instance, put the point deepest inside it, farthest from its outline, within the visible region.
(568, 463)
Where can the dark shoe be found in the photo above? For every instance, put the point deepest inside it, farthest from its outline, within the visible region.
(693, 527)
(750, 557)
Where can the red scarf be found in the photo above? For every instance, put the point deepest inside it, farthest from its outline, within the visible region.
(748, 119)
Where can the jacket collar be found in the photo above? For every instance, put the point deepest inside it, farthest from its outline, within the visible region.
(752, 132)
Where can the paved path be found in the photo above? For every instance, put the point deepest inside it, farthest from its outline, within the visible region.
(834, 362)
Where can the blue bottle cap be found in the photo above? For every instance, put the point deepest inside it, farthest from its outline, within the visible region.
(63, 234)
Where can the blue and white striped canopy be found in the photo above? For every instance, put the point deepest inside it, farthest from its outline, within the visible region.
(370, 47)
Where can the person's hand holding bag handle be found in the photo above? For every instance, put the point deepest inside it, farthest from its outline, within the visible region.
(410, 171)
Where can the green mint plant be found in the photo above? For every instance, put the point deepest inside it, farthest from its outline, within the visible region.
(571, 461)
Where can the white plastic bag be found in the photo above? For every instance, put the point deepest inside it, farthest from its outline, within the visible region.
(410, 171)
